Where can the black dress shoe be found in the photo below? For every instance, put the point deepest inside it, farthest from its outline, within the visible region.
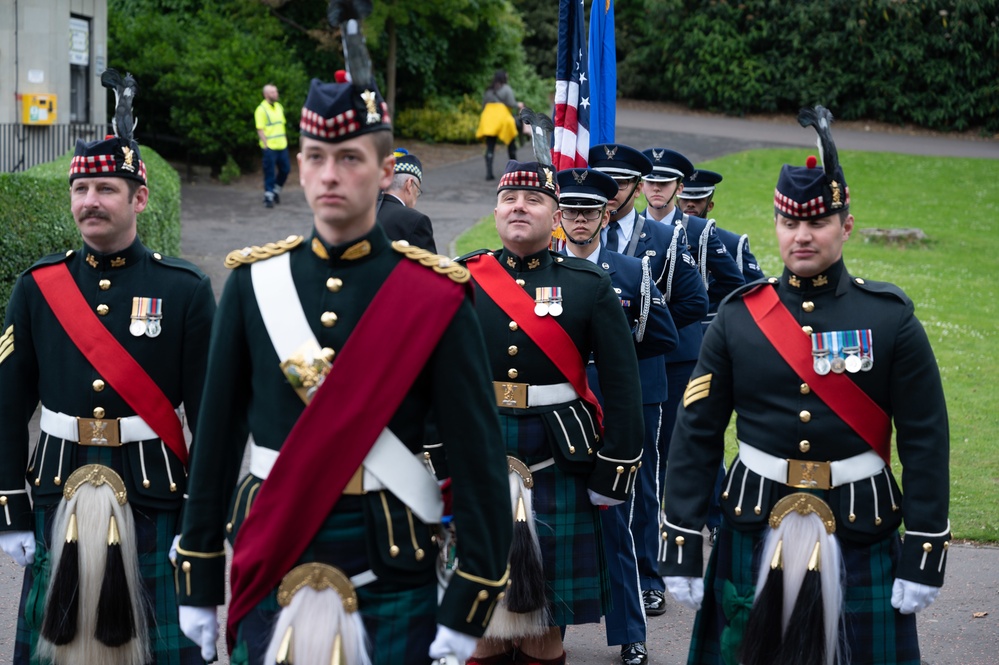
(654, 601)
(634, 654)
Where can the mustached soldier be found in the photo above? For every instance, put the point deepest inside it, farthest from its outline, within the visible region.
(112, 339)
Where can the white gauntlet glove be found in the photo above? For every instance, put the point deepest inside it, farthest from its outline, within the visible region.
(201, 625)
(20, 545)
(911, 597)
(688, 591)
(452, 643)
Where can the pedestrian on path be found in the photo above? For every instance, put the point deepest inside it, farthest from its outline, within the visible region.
(269, 120)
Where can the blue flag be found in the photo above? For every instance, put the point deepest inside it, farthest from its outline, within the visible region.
(603, 73)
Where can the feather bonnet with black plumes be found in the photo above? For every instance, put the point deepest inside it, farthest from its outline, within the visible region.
(819, 188)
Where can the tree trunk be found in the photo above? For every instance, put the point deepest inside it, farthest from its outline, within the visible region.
(390, 66)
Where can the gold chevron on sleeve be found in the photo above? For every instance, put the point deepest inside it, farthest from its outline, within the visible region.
(698, 388)
(7, 343)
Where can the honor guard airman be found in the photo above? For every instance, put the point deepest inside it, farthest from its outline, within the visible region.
(676, 273)
(583, 196)
(331, 350)
(544, 316)
(818, 365)
(112, 340)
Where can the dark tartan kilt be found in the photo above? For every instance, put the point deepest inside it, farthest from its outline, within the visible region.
(568, 527)
(872, 630)
(155, 530)
(400, 620)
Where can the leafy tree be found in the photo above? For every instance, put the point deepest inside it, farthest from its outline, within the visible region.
(200, 69)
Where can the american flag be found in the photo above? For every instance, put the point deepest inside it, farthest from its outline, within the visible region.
(572, 89)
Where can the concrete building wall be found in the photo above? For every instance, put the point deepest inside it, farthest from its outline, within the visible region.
(35, 45)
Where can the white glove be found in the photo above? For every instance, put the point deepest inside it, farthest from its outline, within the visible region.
(452, 643)
(201, 625)
(911, 597)
(20, 545)
(600, 500)
(688, 591)
(173, 550)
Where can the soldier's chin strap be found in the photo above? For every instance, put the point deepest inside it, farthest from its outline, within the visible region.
(583, 243)
(634, 188)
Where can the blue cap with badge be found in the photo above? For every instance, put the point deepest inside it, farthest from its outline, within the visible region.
(667, 165)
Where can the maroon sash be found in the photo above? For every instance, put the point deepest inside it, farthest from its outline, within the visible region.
(842, 395)
(109, 357)
(550, 337)
(369, 379)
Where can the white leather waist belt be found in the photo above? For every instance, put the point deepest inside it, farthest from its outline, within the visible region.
(390, 465)
(110, 432)
(511, 395)
(809, 474)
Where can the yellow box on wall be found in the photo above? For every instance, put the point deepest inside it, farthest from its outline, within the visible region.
(39, 109)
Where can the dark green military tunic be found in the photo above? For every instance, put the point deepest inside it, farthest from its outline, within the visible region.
(41, 364)
(568, 524)
(247, 394)
(780, 414)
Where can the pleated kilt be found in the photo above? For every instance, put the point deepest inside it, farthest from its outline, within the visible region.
(155, 530)
(872, 630)
(568, 527)
(400, 620)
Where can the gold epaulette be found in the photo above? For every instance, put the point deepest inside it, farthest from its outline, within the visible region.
(239, 257)
(440, 264)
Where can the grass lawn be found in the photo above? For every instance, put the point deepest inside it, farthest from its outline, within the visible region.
(953, 279)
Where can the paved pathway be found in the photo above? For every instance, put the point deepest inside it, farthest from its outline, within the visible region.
(217, 219)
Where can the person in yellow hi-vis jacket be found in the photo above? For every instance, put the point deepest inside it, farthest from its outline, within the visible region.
(269, 120)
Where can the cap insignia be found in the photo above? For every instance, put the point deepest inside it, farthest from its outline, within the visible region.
(129, 157)
(693, 176)
(837, 195)
(658, 155)
(610, 152)
(369, 101)
(579, 176)
(549, 177)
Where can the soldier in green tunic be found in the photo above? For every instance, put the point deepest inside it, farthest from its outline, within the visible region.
(331, 351)
(112, 340)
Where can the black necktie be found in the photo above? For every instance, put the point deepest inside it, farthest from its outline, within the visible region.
(612, 230)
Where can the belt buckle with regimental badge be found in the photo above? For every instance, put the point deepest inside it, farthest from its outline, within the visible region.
(306, 369)
(809, 475)
(98, 432)
(510, 395)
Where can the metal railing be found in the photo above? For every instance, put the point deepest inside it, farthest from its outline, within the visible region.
(24, 146)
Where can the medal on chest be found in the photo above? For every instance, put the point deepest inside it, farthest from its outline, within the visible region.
(842, 351)
(548, 300)
(147, 314)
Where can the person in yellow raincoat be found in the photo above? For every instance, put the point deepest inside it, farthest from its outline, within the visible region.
(499, 109)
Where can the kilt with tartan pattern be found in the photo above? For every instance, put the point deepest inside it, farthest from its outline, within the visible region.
(568, 528)
(155, 530)
(872, 630)
(400, 620)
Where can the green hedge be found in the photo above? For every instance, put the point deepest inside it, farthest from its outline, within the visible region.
(931, 63)
(35, 217)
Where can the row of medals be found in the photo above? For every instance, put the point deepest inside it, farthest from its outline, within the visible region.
(548, 300)
(146, 315)
(840, 351)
